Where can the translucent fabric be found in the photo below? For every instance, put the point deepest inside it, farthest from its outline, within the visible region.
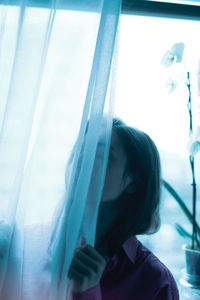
(57, 71)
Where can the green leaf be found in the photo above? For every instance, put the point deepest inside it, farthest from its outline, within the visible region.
(186, 211)
(182, 231)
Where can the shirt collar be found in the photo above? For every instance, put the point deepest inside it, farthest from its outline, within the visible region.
(130, 247)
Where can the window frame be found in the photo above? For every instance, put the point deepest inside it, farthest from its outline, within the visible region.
(161, 9)
(131, 7)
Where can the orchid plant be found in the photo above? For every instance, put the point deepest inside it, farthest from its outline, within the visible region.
(173, 56)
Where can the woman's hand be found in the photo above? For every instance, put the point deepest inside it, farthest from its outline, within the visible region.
(86, 268)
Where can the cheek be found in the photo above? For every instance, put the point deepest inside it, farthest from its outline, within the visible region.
(113, 183)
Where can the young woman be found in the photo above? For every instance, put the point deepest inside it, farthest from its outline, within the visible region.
(119, 267)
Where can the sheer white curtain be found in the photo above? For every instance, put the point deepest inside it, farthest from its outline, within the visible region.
(57, 75)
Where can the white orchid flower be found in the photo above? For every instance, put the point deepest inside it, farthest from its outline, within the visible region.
(167, 59)
(177, 51)
(194, 142)
(4, 238)
(175, 54)
(171, 85)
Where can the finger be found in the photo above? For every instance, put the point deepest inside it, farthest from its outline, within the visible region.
(81, 267)
(77, 250)
(81, 243)
(92, 252)
(75, 275)
(88, 260)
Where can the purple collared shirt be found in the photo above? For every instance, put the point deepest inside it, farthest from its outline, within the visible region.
(134, 273)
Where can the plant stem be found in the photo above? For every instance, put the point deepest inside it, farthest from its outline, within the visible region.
(189, 101)
(193, 202)
(191, 158)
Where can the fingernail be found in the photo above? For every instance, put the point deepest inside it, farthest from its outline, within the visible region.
(82, 241)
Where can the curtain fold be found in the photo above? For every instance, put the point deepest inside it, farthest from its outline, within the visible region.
(22, 69)
(57, 104)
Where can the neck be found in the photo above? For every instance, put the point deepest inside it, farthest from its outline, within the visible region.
(107, 215)
(114, 224)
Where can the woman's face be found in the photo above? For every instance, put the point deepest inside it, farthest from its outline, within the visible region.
(115, 181)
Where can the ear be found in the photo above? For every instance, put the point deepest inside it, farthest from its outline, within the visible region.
(130, 189)
(129, 184)
(133, 184)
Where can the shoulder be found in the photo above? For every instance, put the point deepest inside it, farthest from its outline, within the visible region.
(158, 274)
(155, 275)
(149, 261)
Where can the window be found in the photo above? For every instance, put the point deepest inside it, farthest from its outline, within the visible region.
(142, 100)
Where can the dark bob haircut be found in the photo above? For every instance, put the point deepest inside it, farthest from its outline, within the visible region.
(139, 211)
